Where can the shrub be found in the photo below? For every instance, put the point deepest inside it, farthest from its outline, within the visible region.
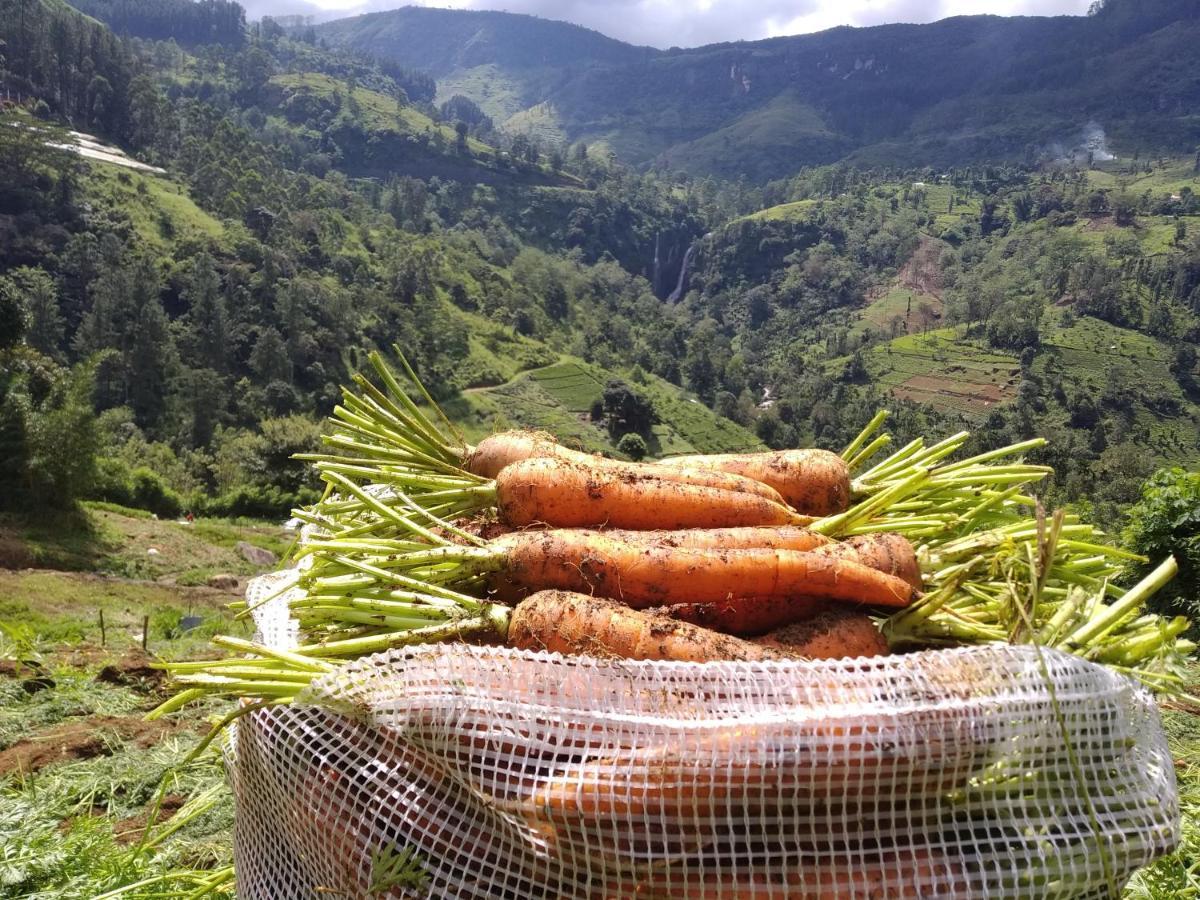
(634, 446)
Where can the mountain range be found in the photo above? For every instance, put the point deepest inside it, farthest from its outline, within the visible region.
(964, 89)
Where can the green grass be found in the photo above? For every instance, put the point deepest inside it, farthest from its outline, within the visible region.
(766, 141)
(1090, 353)
(161, 211)
(498, 94)
(558, 398)
(898, 301)
(785, 212)
(378, 112)
(1177, 877)
(1178, 172)
(541, 122)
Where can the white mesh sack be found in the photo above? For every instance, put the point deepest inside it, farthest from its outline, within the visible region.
(461, 771)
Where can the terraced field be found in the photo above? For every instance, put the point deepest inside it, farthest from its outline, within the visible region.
(944, 371)
(559, 398)
(1094, 356)
(785, 211)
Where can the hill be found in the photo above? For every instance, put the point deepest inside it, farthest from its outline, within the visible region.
(964, 89)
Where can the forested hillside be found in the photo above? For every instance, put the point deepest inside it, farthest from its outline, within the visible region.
(185, 328)
(963, 89)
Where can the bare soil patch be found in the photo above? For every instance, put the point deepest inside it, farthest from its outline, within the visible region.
(923, 271)
(981, 396)
(82, 739)
(130, 830)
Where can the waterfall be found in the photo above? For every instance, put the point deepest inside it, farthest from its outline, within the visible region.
(683, 270)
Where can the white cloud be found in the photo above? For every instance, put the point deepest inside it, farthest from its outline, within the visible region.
(690, 23)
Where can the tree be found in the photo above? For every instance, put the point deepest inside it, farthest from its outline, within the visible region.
(633, 445)
(269, 357)
(626, 410)
(127, 316)
(1165, 521)
(63, 441)
(206, 319)
(14, 318)
(45, 322)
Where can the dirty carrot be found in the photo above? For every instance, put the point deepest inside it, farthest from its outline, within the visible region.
(592, 563)
(815, 482)
(352, 626)
(571, 495)
(493, 454)
(836, 633)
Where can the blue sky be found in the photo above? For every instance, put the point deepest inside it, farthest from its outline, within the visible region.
(690, 23)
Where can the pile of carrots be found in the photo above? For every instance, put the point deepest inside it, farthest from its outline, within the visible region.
(520, 540)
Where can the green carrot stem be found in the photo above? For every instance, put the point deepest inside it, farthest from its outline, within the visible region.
(180, 700)
(386, 511)
(1010, 450)
(1134, 598)
(292, 658)
(868, 508)
(1131, 650)
(428, 399)
(398, 394)
(868, 451)
(489, 622)
(1049, 632)
(869, 429)
(895, 462)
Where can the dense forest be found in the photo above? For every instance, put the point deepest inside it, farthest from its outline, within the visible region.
(184, 331)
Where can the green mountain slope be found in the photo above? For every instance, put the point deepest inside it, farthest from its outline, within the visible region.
(966, 88)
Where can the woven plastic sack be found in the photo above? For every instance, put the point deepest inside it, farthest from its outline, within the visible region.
(460, 771)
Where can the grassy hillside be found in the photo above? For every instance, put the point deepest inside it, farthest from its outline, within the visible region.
(559, 397)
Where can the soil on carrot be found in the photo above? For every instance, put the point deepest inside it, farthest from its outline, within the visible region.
(82, 739)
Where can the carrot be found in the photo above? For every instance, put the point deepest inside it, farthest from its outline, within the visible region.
(752, 770)
(661, 576)
(883, 551)
(909, 874)
(779, 537)
(747, 616)
(833, 634)
(816, 482)
(568, 623)
(571, 495)
(499, 451)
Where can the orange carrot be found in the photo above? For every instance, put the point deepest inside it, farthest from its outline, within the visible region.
(883, 551)
(908, 874)
(892, 554)
(778, 537)
(572, 495)
(568, 623)
(732, 771)
(836, 633)
(497, 452)
(747, 616)
(815, 482)
(660, 576)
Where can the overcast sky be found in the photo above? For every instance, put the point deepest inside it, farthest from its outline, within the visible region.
(690, 23)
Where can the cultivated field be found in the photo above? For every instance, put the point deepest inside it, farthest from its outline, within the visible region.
(945, 371)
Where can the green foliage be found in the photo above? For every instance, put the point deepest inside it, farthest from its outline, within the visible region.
(1166, 521)
(633, 445)
(14, 316)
